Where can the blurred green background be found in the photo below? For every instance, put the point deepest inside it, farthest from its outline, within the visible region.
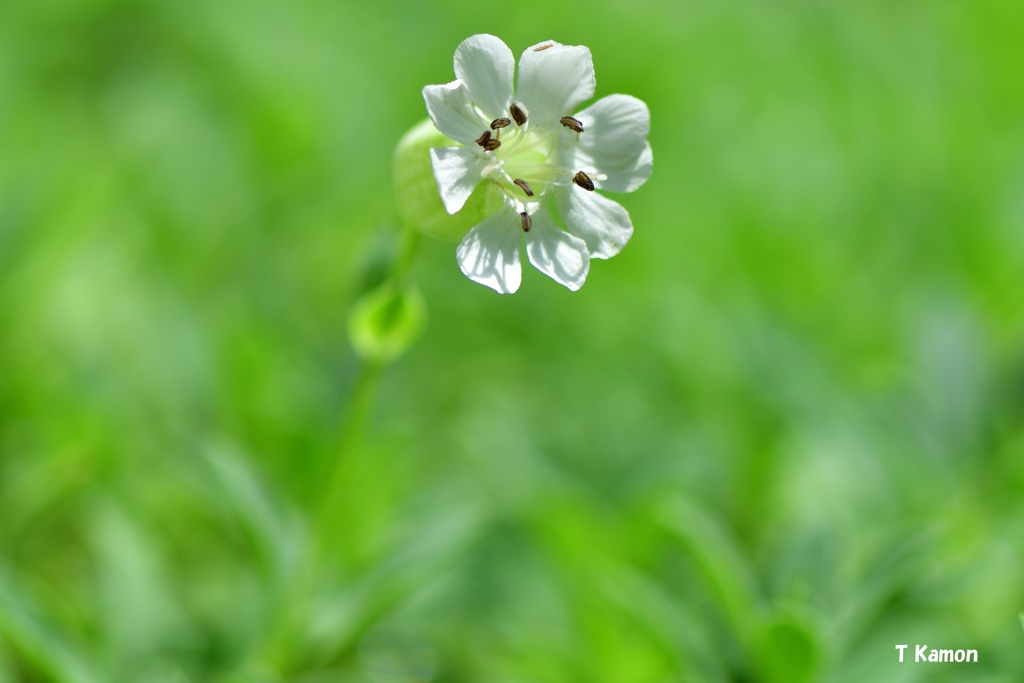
(779, 434)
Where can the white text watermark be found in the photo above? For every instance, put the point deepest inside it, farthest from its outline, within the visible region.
(923, 653)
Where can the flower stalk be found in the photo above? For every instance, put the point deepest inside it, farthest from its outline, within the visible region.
(492, 168)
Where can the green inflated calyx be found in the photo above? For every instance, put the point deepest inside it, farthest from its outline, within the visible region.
(416, 195)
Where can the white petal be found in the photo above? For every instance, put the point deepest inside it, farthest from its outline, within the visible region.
(553, 81)
(624, 177)
(602, 223)
(451, 109)
(556, 253)
(489, 253)
(485, 65)
(615, 130)
(458, 171)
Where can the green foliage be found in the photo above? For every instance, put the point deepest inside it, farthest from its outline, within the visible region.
(782, 432)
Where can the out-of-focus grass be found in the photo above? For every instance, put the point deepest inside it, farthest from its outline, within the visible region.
(782, 432)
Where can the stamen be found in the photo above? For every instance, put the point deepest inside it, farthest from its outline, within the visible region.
(542, 47)
(491, 145)
(527, 221)
(499, 123)
(524, 186)
(572, 124)
(484, 139)
(584, 181)
(517, 114)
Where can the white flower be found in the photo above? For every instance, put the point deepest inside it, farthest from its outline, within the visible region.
(525, 148)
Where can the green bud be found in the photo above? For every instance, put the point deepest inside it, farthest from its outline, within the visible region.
(385, 322)
(416, 195)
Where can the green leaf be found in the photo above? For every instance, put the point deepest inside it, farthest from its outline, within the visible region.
(718, 557)
(787, 649)
(49, 648)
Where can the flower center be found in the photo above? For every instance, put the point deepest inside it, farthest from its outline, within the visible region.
(526, 162)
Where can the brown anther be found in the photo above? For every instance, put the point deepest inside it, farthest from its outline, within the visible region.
(484, 139)
(491, 145)
(518, 115)
(524, 186)
(584, 181)
(499, 123)
(572, 124)
(542, 47)
(527, 221)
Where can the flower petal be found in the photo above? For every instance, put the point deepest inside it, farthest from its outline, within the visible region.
(485, 64)
(451, 109)
(624, 177)
(458, 171)
(553, 80)
(602, 223)
(616, 130)
(556, 253)
(489, 253)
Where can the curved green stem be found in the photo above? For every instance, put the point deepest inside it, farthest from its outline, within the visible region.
(347, 447)
(328, 544)
(405, 258)
(348, 442)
